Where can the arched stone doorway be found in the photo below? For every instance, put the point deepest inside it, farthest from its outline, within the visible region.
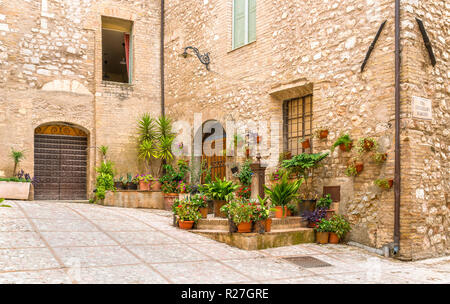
(212, 137)
(60, 162)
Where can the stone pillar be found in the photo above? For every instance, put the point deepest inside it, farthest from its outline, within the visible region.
(258, 178)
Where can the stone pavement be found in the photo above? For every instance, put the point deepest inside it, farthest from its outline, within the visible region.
(50, 242)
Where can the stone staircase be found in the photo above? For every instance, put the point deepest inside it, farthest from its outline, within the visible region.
(284, 232)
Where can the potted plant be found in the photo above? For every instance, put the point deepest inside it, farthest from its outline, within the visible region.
(227, 211)
(379, 158)
(344, 142)
(124, 182)
(17, 187)
(367, 144)
(244, 174)
(188, 214)
(323, 229)
(201, 201)
(155, 184)
(181, 188)
(242, 214)
(314, 217)
(144, 181)
(339, 227)
(171, 180)
(325, 203)
(132, 182)
(322, 133)
(220, 191)
(351, 170)
(261, 216)
(282, 193)
(384, 183)
(307, 201)
(302, 164)
(306, 144)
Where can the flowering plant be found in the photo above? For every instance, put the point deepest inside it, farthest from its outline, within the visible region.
(244, 192)
(276, 175)
(315, 216)
(324, 226)
(199, 200)
(181, 188)
(262, 210)
(239, 210)
(187, 211)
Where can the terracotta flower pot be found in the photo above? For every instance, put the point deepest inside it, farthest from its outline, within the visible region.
(289, 213)
(345, 148)
(279, 211)
(155, 185)
(323, 134)
(306, 144)
(259, 226)
(334, 239)
(217, 206)
(391, 183)
(203, 211)
(169, 199)
(368, 145)
(186, 225)
(268, 225)
(359, 167)
(322, 237)
(144, 186)
(245, 227)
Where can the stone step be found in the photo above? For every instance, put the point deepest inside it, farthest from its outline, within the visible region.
(256, 241)
(221, 224)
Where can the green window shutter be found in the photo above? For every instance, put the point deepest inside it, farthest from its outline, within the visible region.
(239, 23)
(251, 20)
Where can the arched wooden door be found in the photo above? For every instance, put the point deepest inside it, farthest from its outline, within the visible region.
(60, 163)
(214, 149)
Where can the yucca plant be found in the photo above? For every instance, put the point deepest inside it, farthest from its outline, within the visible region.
(147, 151)
(103, 151)
(147, 128)
(165, 137)
(17, 157)
(283, 192)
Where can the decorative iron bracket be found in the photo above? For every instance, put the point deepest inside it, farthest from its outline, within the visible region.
(204, 58)
(372, 46)
(427, 42)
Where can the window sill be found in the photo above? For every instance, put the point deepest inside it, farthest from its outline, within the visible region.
(242, 46)
(116, 83)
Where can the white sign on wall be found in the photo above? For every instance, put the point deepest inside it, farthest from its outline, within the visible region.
(422, 108)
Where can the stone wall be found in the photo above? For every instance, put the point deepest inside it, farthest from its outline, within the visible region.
(317, 47)
(51, 71)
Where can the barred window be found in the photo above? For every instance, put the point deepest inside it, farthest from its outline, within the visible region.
(297, 123)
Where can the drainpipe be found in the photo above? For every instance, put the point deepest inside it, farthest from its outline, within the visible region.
(397, 177)
(162, 59)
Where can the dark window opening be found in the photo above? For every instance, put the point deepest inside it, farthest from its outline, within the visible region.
(297, 120)
(117, 50)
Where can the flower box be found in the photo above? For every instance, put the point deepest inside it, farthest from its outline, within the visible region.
(15, 190)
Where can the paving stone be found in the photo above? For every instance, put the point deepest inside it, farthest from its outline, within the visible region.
(56, 276)
(224, 252)
(128, 274)
(26, 259)
(206, 272)
(68, 239)
(20, 240)
(63, 225)
(108, 225)
(142, 237)
(167, 253)
(15, 224)
(95, 256)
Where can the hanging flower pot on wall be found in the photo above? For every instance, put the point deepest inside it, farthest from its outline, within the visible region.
(323, 134)
(306, 143)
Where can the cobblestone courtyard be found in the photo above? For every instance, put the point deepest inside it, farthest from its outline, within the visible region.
(48, 242)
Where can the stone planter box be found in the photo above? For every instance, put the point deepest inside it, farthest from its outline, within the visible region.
(134, 199)
(15, 190)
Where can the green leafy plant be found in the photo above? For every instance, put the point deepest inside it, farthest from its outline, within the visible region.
(199, 200)
(283, 192)
(245, 174)
(239, 211)
(292, 207)
(379, 158)
(3, 205)
(323, 226)
(284, 156)
(17, 157)
(351, 170)
(165, 137)
(221, 189)
(339, 225)
(105, 179)
(367, 144)
(172, 177)
(383, 183)
(324, 202)
(103, 151)
(262, 210)
(186, 211)
(302, 164)
(343, 140)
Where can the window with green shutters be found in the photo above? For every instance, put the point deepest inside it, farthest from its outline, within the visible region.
(244, 22)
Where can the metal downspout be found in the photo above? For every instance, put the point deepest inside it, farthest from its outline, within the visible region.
(397, 177)
(162, 59)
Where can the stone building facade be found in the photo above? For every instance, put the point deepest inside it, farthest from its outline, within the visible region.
(51, 72)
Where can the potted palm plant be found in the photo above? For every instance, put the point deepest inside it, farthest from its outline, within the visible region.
(220, 191)
(282, 193)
